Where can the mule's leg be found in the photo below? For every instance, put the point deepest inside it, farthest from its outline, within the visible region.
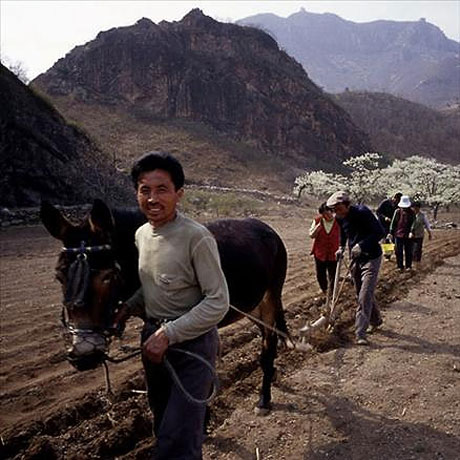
(268, 354)
(267, 359)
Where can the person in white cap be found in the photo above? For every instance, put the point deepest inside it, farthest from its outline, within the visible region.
(363, 231)
(400, 229)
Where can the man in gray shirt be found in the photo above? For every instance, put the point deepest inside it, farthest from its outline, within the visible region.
(183, 296)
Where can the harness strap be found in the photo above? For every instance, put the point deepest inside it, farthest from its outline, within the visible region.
(78, 277)
(83, 248)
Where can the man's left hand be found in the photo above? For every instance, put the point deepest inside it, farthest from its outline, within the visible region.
(155, 346)
(356, 251)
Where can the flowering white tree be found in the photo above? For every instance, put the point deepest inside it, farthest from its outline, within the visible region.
(424, 179)
(360, 183)
(318, 184)
(363, 177)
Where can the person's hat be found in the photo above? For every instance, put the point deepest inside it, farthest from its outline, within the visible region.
(404, 202)
(337, 198)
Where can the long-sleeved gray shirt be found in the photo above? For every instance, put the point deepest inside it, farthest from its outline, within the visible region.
(419, 225)
(181, 278)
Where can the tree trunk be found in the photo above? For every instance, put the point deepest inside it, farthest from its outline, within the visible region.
(435, 211)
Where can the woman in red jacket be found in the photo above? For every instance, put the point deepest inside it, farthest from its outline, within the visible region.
(325, 232)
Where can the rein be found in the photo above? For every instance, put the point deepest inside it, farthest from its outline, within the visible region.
(171, 371)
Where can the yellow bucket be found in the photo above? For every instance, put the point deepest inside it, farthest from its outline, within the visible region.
(388, 248)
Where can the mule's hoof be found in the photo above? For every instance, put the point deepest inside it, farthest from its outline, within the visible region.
(261, 411)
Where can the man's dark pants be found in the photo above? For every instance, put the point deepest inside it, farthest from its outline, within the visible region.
(403, 247)
(178, 423)
(365, 275)
(417, 249)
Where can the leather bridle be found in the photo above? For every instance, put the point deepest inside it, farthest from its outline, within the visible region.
(78, 284)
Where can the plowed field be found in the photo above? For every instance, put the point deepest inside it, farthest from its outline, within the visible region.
(396, 399)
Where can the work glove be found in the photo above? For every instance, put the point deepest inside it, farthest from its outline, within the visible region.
(339, 253)
(411, 235)
(356, 251)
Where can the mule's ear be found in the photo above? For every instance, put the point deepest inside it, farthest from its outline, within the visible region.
(56, 224)
(100, 217)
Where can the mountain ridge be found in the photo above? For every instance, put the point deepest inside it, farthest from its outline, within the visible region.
(410, 59)
(232, 78)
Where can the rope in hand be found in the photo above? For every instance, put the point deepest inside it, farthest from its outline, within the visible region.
(172, 372)
(288, 338)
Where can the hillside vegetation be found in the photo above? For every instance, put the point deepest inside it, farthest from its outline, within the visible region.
(399, 128)
(199, 81)
(42, 156)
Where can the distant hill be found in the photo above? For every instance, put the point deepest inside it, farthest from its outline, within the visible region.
(400, 128)
(220, 83)
(413, 60)
(44, 157)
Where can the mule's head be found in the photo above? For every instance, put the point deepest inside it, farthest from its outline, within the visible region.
(90, 280)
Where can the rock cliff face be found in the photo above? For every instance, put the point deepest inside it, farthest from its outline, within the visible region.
(42, 156)
(231, 77)
(413, 60)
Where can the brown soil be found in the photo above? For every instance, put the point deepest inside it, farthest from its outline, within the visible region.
(396, 399)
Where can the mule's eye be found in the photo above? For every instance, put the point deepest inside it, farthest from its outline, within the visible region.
(107, 279)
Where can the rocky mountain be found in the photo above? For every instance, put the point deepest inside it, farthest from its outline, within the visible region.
(413, 60)
(400, 128)
(229, 78)
(44, 157)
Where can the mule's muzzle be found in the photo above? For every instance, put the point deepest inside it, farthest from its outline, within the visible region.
(88, 349)
(86, 362)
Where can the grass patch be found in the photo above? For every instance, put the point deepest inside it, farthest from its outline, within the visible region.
(217, 204)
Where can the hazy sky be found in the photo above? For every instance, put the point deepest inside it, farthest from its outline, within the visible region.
(37, 33)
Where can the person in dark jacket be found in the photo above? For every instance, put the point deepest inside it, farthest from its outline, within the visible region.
(325, 233)
(386, 210)
(400, 229)
(363, 231)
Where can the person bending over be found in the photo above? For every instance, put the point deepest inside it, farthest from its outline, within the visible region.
(363, 231)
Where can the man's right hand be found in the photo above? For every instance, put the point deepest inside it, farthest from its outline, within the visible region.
(119, 321)
(339, 253)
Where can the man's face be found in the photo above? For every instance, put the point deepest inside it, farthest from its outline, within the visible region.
(341, 210)
(157, 196)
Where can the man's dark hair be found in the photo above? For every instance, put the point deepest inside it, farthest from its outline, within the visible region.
(397, 196)
(158, 160)
(416, 204)
(323, 208)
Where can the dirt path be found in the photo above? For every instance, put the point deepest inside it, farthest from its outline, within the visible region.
(398, 395)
